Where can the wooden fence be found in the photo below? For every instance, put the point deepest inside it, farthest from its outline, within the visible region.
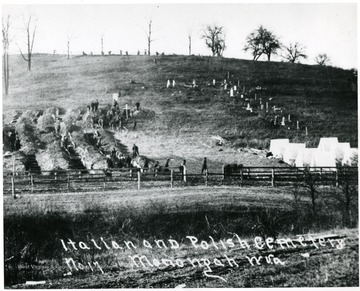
(112, 179)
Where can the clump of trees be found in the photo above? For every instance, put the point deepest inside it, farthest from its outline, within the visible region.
(214, 37)
(262, 42)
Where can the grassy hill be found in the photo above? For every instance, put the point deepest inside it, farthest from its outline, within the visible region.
(320, 98)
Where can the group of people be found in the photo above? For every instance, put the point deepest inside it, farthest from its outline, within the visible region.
(116, 159)
(14, 140)
(113, 117)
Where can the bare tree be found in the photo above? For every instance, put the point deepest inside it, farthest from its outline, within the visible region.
(347, 195)
(215, 39)
(322, 60)
(294, 52)
(189, 37)
(30, 28)
(148, 35)
(311, 181)
(262, 41)
(68, 40)
(6, 44)
(102, 44)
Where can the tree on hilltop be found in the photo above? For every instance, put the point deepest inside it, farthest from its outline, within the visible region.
(30, 28)
(262, 41)
(215, 39)
(322, 60)
(294, 52)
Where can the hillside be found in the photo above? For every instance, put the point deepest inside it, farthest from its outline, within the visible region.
(183, 118)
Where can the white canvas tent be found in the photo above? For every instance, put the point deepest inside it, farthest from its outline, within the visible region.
(339, 150)
(323, 159)
(278, 146)
(304, 157)
(326, 143)
(291, 152)
(350, 157)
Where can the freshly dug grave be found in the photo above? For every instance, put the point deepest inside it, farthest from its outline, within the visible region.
(11, 116)
(52, 158)
(46, 122)
(28, 135)
(71, 121)
(90, 157)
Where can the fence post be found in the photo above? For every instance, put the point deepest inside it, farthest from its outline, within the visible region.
(206, 177)
(32, 183)
(13, 186)
(273, 177)
(68, 181)
(172, 178)
(223, 172)
(184, 173)
(138, 180)
(104, 182)
(241, 177)
(336, 178)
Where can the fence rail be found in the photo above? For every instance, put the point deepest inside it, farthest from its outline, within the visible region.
(111, 179)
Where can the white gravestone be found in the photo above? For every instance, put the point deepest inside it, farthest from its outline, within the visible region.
(115, 97)
(283, 121)
(231, 92)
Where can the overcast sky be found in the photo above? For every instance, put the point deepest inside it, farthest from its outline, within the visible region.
(321, 28)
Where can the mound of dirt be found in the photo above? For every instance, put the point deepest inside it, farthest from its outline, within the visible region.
(46, 122)
(52, 158)
(28, 135)
(90, 157)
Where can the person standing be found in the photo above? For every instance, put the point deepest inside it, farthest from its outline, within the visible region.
(204, 166)
(135, 151)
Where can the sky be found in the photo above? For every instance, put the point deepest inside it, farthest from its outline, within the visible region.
(320, 28)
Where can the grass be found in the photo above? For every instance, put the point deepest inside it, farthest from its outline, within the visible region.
(40, 221)
(178, 123)
(301, 90)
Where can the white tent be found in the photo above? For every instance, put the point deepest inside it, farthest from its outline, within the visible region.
(291, 152)
(339, 150)
(323, 159)
(304, 157)
(278, 146)
(326, 143)
(350, 157)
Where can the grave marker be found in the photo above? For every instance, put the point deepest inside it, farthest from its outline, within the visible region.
(283, 121)
(231, 92)
(115, 97)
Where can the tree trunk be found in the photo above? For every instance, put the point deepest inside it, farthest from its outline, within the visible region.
(68, 49)
(189, 45)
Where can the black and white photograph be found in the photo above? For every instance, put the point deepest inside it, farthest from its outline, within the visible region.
(179, 145)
